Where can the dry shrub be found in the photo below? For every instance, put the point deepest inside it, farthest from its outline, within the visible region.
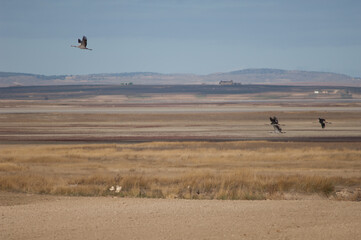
(316, 184)
(130, 183)
(349, 194)
(156, 193)
(10, 167)
(27, 183)
(80, 190)
(300, 184)
(102, 180)
(247, 185)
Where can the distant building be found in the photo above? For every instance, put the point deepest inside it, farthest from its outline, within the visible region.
(230, 82)
(324, 92)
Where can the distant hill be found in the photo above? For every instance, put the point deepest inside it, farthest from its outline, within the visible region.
(25, 79)
(285, 77)
(246, 76)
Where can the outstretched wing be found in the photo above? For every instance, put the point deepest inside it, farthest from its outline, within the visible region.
(275, 119)
(277, 128)
(84, 41)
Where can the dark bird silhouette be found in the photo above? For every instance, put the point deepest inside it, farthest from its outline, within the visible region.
(276, 126)
(83, 44)
(273, 120)
(323, 122)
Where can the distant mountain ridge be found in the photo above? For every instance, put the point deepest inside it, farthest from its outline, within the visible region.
(245, 76)
(259, 71)
(287, 77)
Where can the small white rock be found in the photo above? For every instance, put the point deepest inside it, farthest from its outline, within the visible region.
(118, 189)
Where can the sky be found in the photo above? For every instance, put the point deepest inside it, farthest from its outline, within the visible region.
(180, 36)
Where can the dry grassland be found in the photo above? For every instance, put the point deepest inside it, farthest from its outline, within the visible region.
(190, 170)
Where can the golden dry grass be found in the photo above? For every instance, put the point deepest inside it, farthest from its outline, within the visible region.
(10, 167)
(202, 170)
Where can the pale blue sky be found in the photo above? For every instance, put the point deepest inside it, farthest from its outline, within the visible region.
(180, 36)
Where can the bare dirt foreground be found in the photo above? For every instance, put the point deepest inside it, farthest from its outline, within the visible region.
(50, 217)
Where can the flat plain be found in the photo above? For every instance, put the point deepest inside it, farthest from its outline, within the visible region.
(59, 154)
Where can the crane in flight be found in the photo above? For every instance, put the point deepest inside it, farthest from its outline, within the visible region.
(273, 120)
(83, 44)
(323, 122)
(276, 126)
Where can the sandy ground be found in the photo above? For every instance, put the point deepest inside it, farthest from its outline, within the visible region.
(49, 217)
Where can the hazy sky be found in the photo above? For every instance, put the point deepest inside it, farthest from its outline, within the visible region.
(180, 36)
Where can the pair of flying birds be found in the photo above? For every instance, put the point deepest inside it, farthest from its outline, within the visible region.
(277, 128)
(82, 43)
